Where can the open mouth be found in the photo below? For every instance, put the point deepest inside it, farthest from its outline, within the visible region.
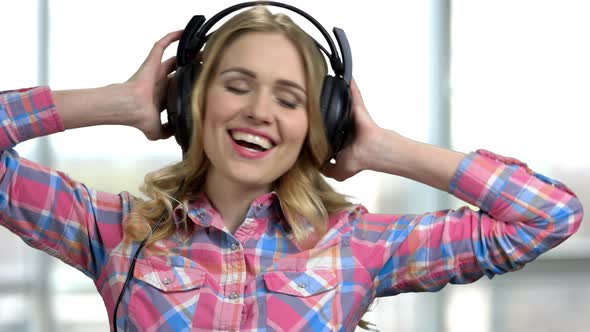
(250, 141)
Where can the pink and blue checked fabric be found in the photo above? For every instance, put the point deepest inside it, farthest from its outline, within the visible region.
(258, 278)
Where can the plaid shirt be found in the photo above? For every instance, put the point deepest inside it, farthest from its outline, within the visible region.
(258, 278)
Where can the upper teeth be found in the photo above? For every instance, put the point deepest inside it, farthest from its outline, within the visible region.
(250, 138)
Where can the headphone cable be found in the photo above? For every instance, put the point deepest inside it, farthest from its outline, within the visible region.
(132, 266)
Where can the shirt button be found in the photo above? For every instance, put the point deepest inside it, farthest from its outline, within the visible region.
(301, 285)
(234, 247)
(233, 296)
(166, 281)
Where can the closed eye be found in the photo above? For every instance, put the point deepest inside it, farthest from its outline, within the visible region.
(287, 98)
(238, 91)
(288, 104)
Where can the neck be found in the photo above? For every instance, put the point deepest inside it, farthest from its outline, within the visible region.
(231, 199)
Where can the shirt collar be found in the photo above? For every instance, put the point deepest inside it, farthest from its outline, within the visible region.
(264, 209)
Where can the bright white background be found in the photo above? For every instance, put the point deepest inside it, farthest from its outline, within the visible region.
(518, 83)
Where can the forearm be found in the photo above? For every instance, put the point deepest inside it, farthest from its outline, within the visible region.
(113, 104)
(394, 154)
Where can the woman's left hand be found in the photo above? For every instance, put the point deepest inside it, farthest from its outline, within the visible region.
(351, 159)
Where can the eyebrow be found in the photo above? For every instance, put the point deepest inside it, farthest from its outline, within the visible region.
(253, 75)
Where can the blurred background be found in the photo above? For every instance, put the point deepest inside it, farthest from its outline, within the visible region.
(511, 76)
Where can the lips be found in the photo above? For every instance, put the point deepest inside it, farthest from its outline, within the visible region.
(249, 143)
(252, 139)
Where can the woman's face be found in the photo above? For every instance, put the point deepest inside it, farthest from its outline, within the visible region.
(255, 110)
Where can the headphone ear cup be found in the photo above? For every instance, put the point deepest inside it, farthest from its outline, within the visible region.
(335, 106)
(179, 101)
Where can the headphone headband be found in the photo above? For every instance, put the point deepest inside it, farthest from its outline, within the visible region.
(335, 98)
(198, 27)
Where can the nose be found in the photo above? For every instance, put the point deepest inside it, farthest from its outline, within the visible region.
(260, 109)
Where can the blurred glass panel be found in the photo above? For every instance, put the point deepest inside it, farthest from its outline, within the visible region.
(520, 82)
(13, 251)
(18, 58)
(545, 296)
(467, 306)
(13, 312)
(392, 314)
(19, 64)
(550, 296)
(539, 307)
(520, 78)
(80, 312)
(86, 327)
(66, 279)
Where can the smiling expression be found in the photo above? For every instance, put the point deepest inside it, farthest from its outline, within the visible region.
(256, 117)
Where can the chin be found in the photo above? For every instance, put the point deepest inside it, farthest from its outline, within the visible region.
(253, 178)
(254, 182)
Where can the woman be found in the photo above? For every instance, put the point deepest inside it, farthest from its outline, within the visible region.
(252, 237)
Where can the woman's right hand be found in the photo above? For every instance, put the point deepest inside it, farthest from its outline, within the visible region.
(136, 103)
(149, 86)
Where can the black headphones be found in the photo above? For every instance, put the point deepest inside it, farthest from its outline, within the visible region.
(335, 100)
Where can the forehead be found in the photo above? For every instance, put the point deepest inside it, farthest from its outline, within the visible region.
(269, 55)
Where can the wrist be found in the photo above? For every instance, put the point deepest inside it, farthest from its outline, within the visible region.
(385, 152)
(389, 152)
(428, 164)
(124, 104)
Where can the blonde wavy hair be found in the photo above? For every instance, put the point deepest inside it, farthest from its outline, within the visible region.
(306, 198)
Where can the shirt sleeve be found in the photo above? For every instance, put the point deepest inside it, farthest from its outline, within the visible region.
(521, 215)
(44, 207)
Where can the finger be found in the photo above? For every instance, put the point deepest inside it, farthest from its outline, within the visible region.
(360, 112)
(158, 50)
(357, 98)
(328, 170)
(169, 65)
(166, 131)
(331, 170)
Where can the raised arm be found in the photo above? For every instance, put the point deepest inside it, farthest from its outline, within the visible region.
(386, 151)
(46, 208)
(521, 215)
(137, 102)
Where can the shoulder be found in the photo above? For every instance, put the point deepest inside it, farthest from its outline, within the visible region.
(347, 217)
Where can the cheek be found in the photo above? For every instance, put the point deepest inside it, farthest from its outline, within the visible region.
(208, 121)
(212, 108)
(211, 121)
(296, 127)
(303, 127)
(220, 105)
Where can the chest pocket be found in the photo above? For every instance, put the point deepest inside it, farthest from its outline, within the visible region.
(159, 288)
(301, 300)
(303, 284)
(168, 278)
